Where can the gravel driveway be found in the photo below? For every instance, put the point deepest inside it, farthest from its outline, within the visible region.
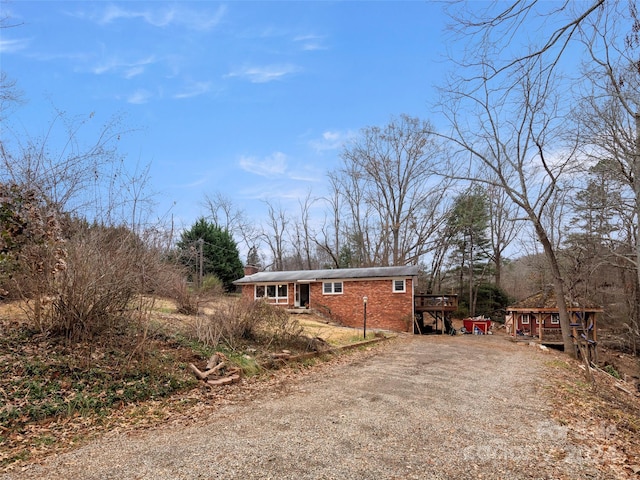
(420, 408)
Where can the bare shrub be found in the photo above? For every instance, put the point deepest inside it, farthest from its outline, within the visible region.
(95, 291)
(279, 328)
(170, 281)
(187, 302)
(236, 321)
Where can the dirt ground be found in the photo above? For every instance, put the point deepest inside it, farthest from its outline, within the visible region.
(434, 407)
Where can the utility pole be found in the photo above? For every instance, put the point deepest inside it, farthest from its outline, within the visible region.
(201, 255)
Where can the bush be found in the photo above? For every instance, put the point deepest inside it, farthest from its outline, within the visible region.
(104, 272)
(211, 286)
(236, 321)
(88, 291)
(186, 301)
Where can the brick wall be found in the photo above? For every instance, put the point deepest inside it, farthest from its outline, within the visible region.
(248, 292)
(385, 309)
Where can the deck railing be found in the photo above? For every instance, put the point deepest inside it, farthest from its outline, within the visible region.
(436, 301)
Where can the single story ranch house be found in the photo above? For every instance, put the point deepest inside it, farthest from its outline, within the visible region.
(341, 294)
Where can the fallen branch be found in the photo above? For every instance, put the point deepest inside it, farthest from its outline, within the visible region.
(200, 375)
(620, 387)
(225, 380)
(215, 359)
(280, 355)
(217, 366)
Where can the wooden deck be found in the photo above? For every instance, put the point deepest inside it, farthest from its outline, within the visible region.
(433, 312)
(435, 303)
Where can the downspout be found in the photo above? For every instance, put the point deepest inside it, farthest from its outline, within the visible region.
(414, 279)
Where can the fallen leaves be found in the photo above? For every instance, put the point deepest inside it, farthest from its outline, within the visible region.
(604, 418)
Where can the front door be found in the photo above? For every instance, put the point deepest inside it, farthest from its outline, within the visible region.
(302, 294)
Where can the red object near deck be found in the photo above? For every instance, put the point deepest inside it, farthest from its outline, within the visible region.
(482, 324)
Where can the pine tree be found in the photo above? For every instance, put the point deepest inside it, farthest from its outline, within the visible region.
(468, 224)
(220, 256)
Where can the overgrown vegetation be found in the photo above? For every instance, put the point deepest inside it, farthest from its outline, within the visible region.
(235, 324)
(45, 379)
(54, 379)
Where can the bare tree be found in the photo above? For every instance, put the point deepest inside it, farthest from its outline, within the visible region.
(301, 236)
(609, 117)
(391, 191)
(274, 235)
(227, 215)
(81, 178)
(10, 94)
(492, 76)
(503, 226)
(329, 238)
(515, 138)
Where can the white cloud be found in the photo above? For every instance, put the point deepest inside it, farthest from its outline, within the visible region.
(272, 166)
(127, 69)
(163, 17)
(331, 140)
(310, 42)
(133, 72)
(12, 46)
(139, 97)
(193, 90)
(307, 175)
(263, 74)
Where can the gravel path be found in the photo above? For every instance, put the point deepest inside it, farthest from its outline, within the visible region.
(422, 408)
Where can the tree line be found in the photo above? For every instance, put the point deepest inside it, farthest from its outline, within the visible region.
(529, 155)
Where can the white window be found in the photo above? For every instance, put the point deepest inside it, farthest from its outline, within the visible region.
(332, 288)
(525, 319)
(274, 293)
(555, 318)
(399, 286)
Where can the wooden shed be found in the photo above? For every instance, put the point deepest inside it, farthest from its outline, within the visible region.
(538, 316)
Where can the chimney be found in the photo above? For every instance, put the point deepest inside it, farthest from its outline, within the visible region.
(250, 270)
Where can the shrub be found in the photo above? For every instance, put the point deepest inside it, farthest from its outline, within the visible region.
(102, 277)
(211, 286)
(611, 370)
(236, 321)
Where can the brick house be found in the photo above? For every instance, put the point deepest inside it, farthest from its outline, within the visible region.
(339, 293)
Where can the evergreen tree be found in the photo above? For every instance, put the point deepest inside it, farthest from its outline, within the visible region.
(467, 225)
(253, 258)
(220, 256)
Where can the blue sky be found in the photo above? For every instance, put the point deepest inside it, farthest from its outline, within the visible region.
(249, 99)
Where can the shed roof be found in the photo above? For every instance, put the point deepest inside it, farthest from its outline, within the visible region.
(545, 300)
(329, 274)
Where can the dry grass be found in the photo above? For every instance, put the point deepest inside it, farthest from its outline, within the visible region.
(38, 366)
(335, 335)
(165, 310)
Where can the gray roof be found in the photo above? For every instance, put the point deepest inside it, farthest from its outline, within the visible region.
(329, 274)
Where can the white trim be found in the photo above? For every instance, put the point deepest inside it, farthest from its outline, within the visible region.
(273, 299)
(333, 287)
(555, 319)
(404, 285)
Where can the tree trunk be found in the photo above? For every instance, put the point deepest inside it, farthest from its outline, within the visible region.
(636, 188)
(472, 305)
(498, 266)
(558, 288)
